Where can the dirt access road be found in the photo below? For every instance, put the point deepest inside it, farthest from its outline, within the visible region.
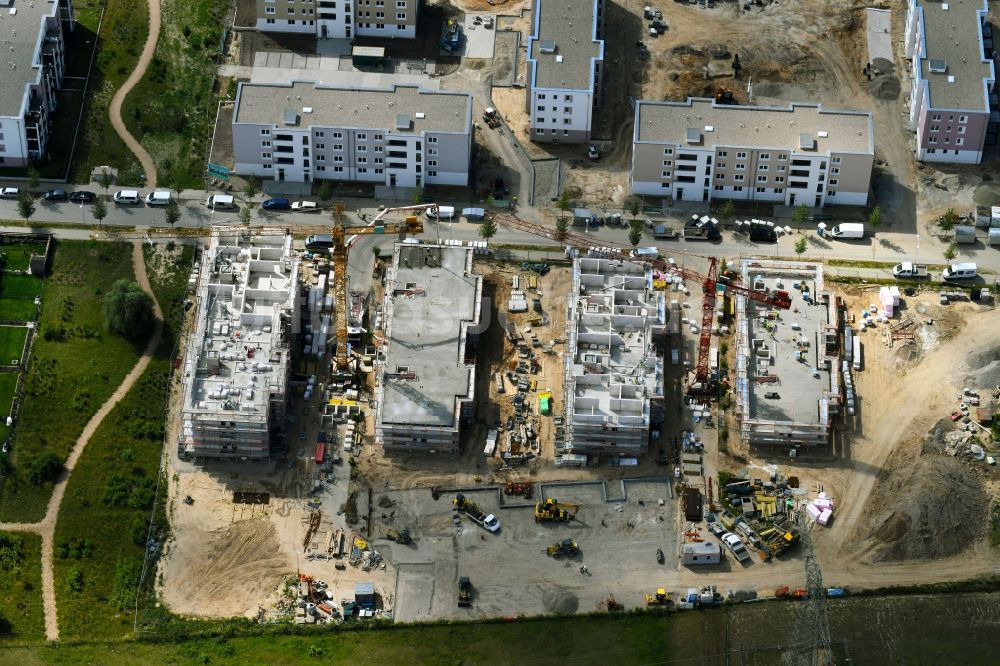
(115, 110)
(47, 526)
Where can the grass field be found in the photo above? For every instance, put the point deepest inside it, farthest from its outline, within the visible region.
(20, 286)
(75, 365)
(16, 255)
(12, 343)
(103, 523)
(21, 618)
(18, 309)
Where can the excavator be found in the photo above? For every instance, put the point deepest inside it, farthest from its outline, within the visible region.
(399, 536)
(661, 597)
(552, 511)
(566, 547)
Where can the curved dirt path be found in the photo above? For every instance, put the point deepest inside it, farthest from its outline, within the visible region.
(115, 111)
(47, 526)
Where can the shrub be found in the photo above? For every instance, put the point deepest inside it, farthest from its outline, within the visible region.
(44, 468)
(128, 310)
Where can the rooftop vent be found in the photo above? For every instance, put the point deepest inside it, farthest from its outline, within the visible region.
(403, 122)
(939, 66)
(709, 128)
(693, 135)
(944, 6)
(559, 58)
(290, 117)
(307, 109)
(420, 115)
(951, 79)
(822, 134)
(806, 141)
(547, 46)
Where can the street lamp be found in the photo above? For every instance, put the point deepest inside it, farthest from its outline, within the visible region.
(83, 215)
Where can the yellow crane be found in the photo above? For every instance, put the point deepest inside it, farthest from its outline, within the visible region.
(338, 255)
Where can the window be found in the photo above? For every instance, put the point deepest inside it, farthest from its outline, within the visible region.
(963, 119)
(783, 156)
(761, 179)
(951, 118)
(833, 183)
(321, 168)
(541, 107)
(761, 167)
(431, 174)
(936, 116)
(741, 167)
(722, 153)
(269, 10)
(959, 141)
(400, 16)
(431, 139)
(378, 149)
(265, 144)
(667, 162)
(379, 170)
(765, 156)
(378, 160)
(362, 160)
(401, 4)
(664, 174)
(541, 96)
(362, 149)
(738, 189)
(834, 171)
(935, 128)
(320, 158)
(721, 165)
(720, 176)
(431, 163)
(836, 160)
(265, 132)
(761, 190)
(947, 139)
(380, 15)
(780, 167)
(567, 121)
(320, 146)
(668, 151)
(270, 21)
(267, 166)
(338, 146)
(539, 121)
(741, 156)
(931, 151)
(338, 158)
(567, 109)
(338, 169)
(338, 135)
(961, 129)
(265, 156)
(378, 137)
(362, 137)
(779, 190)
(738, 178)
(779, 179)
(362, 170)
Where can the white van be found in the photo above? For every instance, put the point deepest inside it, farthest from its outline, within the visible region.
(216, 201)
(130, 197)
(959, 272)
(848, 230)
(441, 212)
(158, 198)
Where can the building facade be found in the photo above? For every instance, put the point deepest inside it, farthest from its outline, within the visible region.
(340, 19)
(426, 383)
(238, 356)
(953, 80)
(34, 39)
(401, 136)
(565, 54)
(803, 154)
(614, 386)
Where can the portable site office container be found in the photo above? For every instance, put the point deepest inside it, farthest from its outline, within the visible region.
(700, 553)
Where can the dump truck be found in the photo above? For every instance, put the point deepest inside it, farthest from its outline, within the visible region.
(550, 510)
(566, 547)
(464, 591)
(487, 521)
(660, 598)
(909, 270)
(399, 536)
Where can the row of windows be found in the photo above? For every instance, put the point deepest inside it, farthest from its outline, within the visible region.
(400, 16)
(951, 118)
(566, 98)
(566, 121)
(566, 109)
(959, 141)
(291, 10)
(937, 128)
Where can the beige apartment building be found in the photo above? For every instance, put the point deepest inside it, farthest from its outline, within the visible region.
(801, 154)
(340, 19)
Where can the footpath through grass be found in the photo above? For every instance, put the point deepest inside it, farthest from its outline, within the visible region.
(102, 529)
(21, 617)
(74, 366)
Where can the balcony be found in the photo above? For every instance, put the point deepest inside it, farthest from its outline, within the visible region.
(798, 185)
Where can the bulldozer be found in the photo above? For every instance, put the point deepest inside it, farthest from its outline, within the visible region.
(552, 511)
(566, 547)
(660, 598)
(399, 536)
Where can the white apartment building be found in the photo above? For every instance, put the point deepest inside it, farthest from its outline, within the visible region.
(565, 53)
(340, 19)
(803, 154)
(34, 47)
(237, 360)
(398, 137)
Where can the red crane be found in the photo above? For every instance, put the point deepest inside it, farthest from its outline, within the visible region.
(702, 383)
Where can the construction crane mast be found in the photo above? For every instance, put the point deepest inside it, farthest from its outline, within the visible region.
(339, 254)
(702, 382)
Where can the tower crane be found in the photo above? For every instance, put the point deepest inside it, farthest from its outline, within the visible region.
(702, 383)
(339, 253)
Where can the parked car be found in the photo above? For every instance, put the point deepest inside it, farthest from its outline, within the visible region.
(276, 204)
(83, 197)
(305, 206)
(9, 192)
(56, 195)
(593, 153)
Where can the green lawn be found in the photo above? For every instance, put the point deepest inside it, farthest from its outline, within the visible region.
(18, 309)
(105, 515)
(11, 344)
(171, 111)
(21, 618)
(20, 286)
(74, 366)
(16, 255)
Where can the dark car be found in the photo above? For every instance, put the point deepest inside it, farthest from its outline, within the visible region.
(276, 204)
(56, 195)
(83, 197)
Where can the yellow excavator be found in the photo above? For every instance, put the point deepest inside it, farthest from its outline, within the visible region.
(659, 599)
(566, 547)
(550, 510)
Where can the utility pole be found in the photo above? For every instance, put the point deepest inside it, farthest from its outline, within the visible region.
(811, 640)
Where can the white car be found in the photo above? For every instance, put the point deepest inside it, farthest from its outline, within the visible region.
(491, 523)
(9, 192)
(305, 206)
(593, 153)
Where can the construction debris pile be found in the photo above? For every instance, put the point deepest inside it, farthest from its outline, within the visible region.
(315, 602)
(363, 555)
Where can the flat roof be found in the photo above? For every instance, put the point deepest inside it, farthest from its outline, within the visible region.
(330, 106)
(953, 42)
(433, 296)
(21, 30)
(755, 126)
(564, 44)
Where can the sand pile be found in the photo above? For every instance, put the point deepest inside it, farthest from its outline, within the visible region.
(983, 367)
(927, 505)
(557, 600)
(882, 81)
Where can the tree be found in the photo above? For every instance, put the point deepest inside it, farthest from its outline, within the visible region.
(128, 310)
(634, 232)
(251, 187)
(25, 205)
(728, 211)
(99, 210)
(488, 229)
(800, 246)
(562, 226)
(44, 468)
(245, 212)
(634, 208)
(34, 178)
(325, 191)
(418, 198)
(948, 220)
(950, 252)
(801, 214)
(377, 251)
(105, 180)
(563, 204)
(172, 212)
(875, 216)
